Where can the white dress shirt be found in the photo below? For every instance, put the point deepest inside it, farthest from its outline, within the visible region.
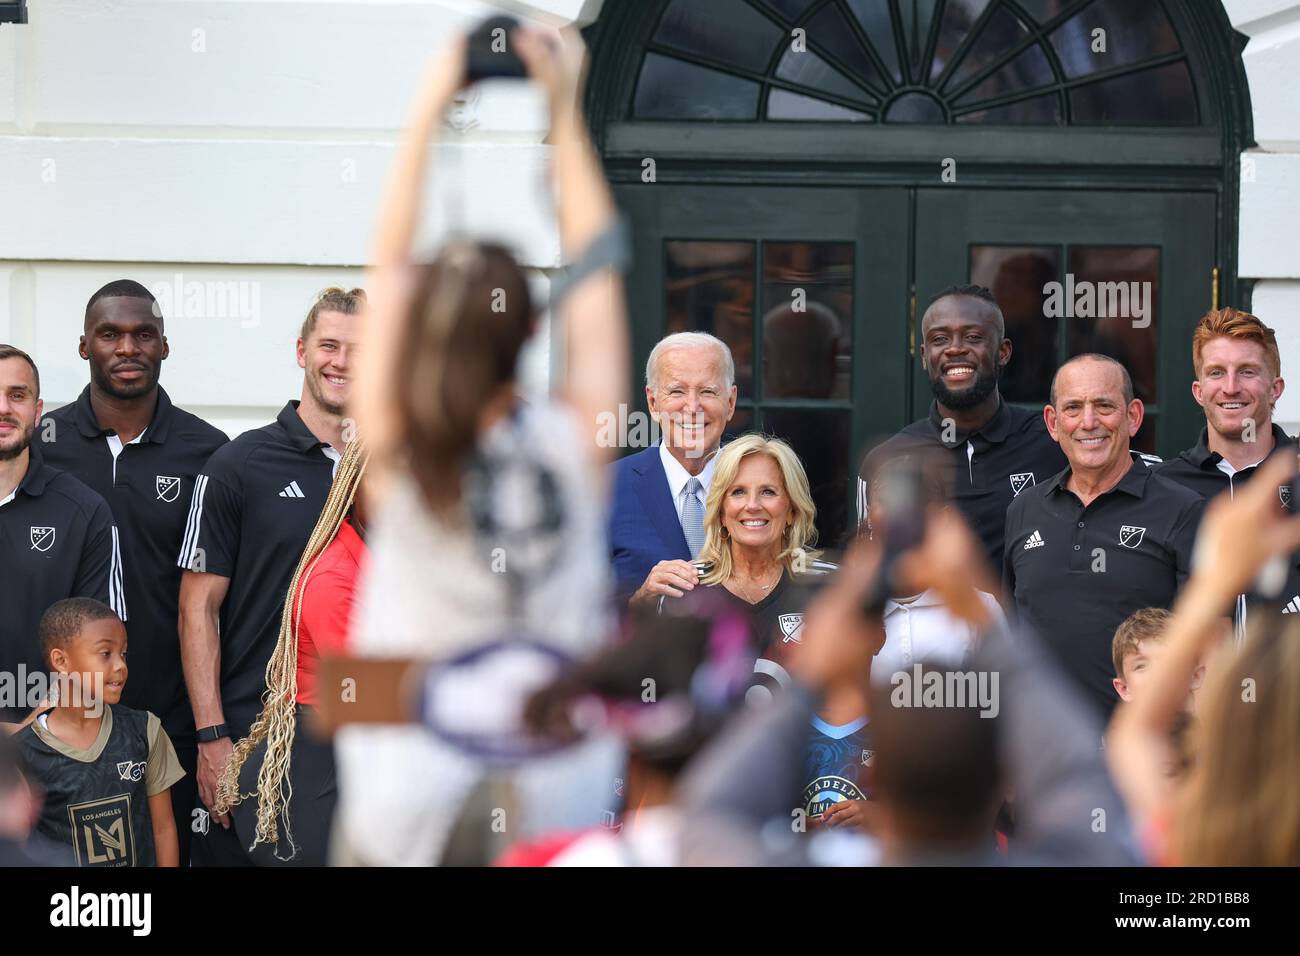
(923, 630)
(679, 476)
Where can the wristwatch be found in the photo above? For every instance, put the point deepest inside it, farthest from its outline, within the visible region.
(215, 732)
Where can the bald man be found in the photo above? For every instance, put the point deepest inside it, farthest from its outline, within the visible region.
(1105, 537)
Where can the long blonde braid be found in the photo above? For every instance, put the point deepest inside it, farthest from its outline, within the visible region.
(277, 723)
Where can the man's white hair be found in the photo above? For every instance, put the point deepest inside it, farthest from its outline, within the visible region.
(690, 340)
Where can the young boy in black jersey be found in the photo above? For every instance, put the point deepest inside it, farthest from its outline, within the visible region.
(106, 769)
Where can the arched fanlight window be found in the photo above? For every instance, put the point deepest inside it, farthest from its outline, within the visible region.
(1053, 62)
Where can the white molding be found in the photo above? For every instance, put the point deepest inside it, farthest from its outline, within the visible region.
(253, 201)
(1270, 59)
(1270, 208)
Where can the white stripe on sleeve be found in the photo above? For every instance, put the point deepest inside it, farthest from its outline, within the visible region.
(191, 540)
(116, 590)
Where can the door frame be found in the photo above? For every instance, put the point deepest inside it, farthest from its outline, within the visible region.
(775, 153)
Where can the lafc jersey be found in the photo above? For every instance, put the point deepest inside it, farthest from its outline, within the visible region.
(839, 765)
(97, 800)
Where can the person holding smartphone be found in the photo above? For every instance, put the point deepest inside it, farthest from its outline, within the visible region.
(458, 460)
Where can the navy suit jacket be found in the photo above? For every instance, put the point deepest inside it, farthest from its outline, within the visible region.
(643, 525)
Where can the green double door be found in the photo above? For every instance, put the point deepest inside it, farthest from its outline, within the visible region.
(819, 293)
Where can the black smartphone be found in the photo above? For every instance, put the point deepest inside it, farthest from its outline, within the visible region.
(898, 515)
(490, 54)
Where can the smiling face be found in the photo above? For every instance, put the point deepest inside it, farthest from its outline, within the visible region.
(1236, 385)
(963, 351)
(756, 508)
(98, 648)
(19, 407)
(125, 345)
(1090, 420)
(691, 401)
(326, 356)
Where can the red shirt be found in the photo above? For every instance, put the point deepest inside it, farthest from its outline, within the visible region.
(326, 600)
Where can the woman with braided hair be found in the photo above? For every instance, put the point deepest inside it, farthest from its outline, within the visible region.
(275, 763)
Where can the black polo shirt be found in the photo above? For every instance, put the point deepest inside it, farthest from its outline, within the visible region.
(990, 466)
(254, 506)
(1198, 469)
(148, 488)
(1074, 573)
(57, 540)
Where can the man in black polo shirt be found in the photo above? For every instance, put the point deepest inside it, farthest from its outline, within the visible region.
(1238, 382)
(57, 538)
(254, 506)
(123, 438)
(997, 450)
(1105, 537)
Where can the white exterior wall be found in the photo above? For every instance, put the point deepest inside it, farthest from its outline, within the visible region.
(1270, 187)
(245, 142)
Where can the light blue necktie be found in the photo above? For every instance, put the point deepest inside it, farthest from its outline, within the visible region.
(693, 517)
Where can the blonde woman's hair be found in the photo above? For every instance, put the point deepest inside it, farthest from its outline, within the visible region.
(1240, 805)
(797, 547)
(277, 723)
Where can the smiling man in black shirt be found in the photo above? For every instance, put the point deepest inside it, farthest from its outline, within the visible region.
(254, 507)
(123, 438)
(57, 538)
(1238, 382)
(1105, 537)
(997, 450)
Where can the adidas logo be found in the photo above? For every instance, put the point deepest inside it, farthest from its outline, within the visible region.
(291, 490)
(1292, 606)
(1035, 541)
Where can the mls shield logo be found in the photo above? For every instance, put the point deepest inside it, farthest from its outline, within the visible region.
(42, 539)
(167, 488)
(1284, 493)
(131, 771)
(791, 628)
(1021, 481)
(1131, 536)
(868, 758)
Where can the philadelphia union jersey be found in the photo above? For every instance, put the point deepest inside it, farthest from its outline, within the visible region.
(97, 800)
(838, 767)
